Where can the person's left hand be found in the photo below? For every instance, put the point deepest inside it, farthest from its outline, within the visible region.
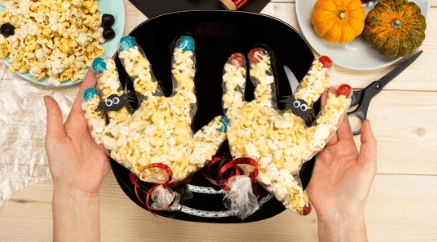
(76, 162)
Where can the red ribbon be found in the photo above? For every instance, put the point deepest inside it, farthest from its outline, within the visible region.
(239, 3)
(235, 170)
(208, 166)
(233, 164)
(134, 179)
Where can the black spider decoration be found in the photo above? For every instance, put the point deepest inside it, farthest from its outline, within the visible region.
(300, 108)
(114, 103)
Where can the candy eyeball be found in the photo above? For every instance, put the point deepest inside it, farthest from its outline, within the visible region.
(296, 104)
(303, 107)
(108, 102)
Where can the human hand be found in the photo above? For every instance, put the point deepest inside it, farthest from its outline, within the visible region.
(78, 166)
(76, 162)
(341, 182)
(342, 176)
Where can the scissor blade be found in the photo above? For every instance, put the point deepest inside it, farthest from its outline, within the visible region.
(294, 83)
(398, 69)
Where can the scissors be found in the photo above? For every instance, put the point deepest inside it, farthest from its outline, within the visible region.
(363, 97)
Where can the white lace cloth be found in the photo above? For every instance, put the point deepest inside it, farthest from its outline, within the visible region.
(23, 159)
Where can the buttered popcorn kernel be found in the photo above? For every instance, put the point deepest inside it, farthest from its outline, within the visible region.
(279, 142)
(58, 39)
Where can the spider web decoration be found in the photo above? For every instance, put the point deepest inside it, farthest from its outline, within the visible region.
(152, 8)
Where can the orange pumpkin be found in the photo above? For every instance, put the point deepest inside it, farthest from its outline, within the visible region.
(338, 20)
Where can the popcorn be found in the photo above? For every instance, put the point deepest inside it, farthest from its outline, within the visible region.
(159, 131)
(46, 28)
(280, 142)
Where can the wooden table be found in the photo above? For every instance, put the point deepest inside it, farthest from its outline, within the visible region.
(402, 205)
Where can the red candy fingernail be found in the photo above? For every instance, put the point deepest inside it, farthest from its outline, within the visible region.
(306, 210)
(255, 56)
(237, 60)
(326, 61)
(344, 89)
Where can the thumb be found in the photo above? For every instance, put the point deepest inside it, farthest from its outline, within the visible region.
(211, 136)
(368, 146)
(55, 123)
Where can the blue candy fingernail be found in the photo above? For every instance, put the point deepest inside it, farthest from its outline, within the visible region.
(186, 43)
(99, 65)
(126, 43)
(224, 127)
(89, 93)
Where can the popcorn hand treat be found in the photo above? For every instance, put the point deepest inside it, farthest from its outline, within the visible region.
(279, 141)
(55, 39)
(156, 141)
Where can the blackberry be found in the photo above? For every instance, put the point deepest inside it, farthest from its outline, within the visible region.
(108, 33)
(7, 29)
(107, 20)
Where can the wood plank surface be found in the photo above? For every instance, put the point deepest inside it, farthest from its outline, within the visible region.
(397, 210)
(402, 205)
(404, 124)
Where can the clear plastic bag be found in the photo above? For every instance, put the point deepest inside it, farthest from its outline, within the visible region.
(240, 198)
(280, 141)
(155, 141)
(23, 159)
(164, 198)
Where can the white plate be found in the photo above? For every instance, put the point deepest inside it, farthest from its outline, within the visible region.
(356, 55)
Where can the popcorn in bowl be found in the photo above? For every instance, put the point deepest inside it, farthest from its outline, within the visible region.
(280, 141)
(156, 139)
(54, 39)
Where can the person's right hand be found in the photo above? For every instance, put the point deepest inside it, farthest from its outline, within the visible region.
(76, 162)
(78, 166)
(342, 179)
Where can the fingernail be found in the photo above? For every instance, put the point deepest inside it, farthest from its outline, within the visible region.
(225, 122)
(237, 60)
(186, 43)
(89, 93)
(326, 61)
(345, 90)
(255, 56)
(126, 43)
(99, 65)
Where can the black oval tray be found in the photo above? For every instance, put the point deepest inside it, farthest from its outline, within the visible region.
(218, 34)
